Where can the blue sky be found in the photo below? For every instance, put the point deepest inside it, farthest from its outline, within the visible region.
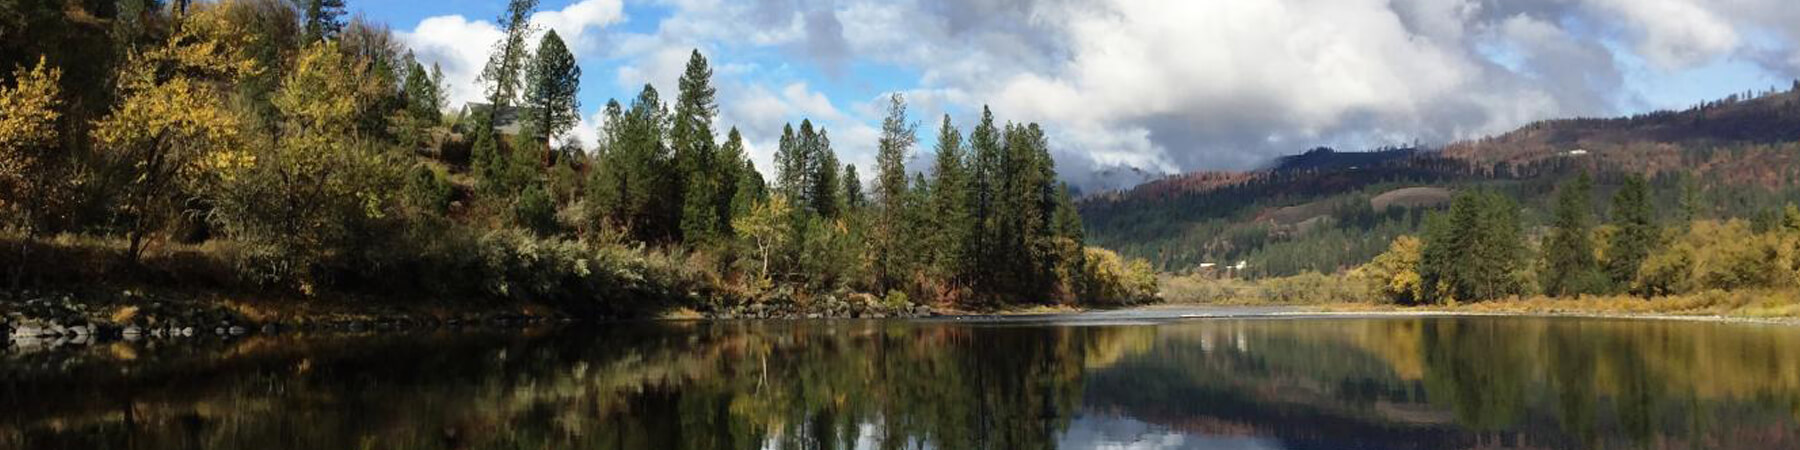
(1150, 85)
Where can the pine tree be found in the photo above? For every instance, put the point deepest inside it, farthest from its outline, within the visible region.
(984, 142)
(551, 84)
(1571, 268)
(508, 58)
(1071, 243)
(424, 103)
(853, 198)
(817, 168)
(897, 138)
(749, 187)
(603, 188)
(1637, 232)
(952, 226)
(735, 167)
(635, 169)
(1690, 200)
(1474, 251)
(697, 168)
(826, 188)
(790, 165)
(321, 19)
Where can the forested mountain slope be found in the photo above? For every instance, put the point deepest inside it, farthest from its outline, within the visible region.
(1327, 211)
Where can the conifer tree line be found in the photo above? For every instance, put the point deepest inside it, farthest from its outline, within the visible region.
(312, 152)
(1476, 249)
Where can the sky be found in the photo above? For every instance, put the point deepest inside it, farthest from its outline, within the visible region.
(1129, 89)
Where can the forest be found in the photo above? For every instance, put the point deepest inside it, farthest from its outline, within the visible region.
(1478, 250)
(280, 147)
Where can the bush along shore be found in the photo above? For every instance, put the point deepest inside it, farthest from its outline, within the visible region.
(201, 153)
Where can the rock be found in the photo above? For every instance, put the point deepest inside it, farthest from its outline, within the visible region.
(269, 328)
(27, 331)
(187, 332)
(236, 330)
(812, 316)
(131, 331)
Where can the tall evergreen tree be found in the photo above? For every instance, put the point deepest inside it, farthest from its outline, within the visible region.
(698, 171)
(734, 161)
(1071, 240)
(749, 189)
(1474, 251)
(551, 83)
(823, 192)
(1570, 266)
(984, 143)
(852, 195)
(952, 225)
(508, 58)
(1637, 232)
(424, 102)
(637, 166)
(897, 138)
(790, 165)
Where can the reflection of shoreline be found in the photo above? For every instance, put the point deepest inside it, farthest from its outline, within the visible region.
(1169, 312)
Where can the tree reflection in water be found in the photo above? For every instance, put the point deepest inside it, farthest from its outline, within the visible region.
(1373, 383)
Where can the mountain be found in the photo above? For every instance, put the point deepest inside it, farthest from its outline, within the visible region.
(1324, 158)
(1326, 210)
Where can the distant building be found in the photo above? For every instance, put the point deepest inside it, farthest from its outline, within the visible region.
(510, 121)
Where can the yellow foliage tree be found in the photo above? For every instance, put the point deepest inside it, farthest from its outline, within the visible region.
(1395, 273)
(302, 200)
(171, 129)
(766, 228)
(1113, 279)
(28, 132)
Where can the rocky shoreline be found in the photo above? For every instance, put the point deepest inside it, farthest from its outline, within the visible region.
(32, 320)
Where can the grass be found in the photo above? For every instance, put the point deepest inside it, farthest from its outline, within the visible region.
(1339, 293)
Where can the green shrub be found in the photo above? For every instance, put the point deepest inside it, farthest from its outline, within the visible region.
(428, 190)
(535, 211)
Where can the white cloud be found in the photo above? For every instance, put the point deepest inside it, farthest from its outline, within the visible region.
(457, 46)
(579, 24)
(1675, 34)
(1162, 85)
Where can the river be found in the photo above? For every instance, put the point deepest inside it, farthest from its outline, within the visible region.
(1077, 382)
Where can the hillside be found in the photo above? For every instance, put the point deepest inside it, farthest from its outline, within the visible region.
(1325, 210)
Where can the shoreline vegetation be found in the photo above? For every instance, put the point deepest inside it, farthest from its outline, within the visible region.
(248, 161)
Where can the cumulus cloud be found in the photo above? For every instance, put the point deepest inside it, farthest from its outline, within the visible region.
(459, 47)
(1133, 86)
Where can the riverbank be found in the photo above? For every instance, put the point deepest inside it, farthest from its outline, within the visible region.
(1744, 307)
(97, 314)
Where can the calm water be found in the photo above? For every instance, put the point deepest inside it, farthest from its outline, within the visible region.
(1215, 384)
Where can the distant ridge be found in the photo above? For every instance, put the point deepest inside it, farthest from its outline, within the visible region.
(1317, 210)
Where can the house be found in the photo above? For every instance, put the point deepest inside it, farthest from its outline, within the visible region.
(510, 121)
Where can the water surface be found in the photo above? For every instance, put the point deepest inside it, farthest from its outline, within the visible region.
(1377, 383)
